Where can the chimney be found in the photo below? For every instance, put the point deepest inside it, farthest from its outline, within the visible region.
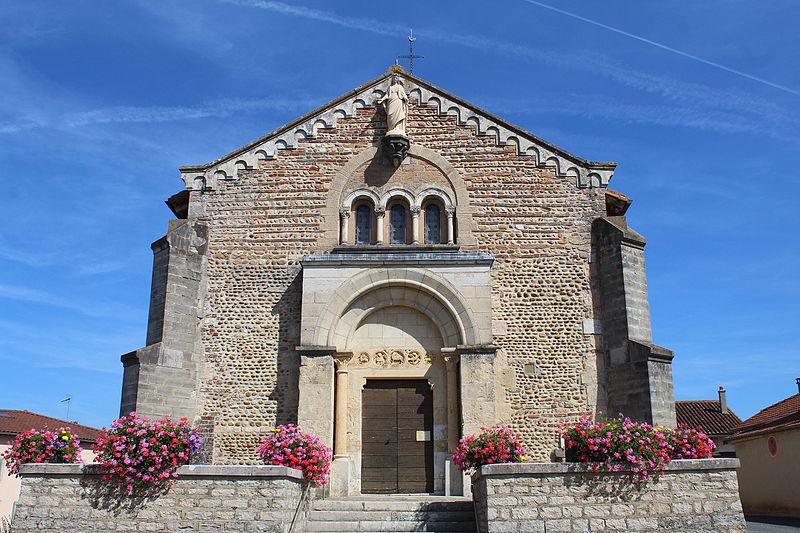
(723, 400)
(797, 380)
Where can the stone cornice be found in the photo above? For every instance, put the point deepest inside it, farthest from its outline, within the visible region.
(396, 258)
(586, 173)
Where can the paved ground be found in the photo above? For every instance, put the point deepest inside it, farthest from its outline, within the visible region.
(762, 524)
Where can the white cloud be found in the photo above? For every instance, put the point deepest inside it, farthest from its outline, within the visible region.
(35, 296)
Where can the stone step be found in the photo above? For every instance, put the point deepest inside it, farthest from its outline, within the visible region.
(392, 505)
(391, 513)
(329, 515)
(389, 525)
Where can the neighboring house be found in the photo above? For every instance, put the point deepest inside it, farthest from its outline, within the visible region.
(768, 446)
(12, 423)
(714, 417)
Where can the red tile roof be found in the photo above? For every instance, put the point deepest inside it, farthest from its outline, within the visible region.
(13, 422)
(706, 414)
(782, 415)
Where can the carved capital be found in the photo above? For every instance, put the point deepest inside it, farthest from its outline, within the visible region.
(415, 211)
(450, 210)
(344, 212)
(451, 360)
(380, 211)
(342, 361)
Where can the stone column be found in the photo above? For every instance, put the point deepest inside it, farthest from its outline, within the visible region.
(379, 213)
(340, 467)
(315, 401)
(415, 224)
(451, 212)
(453, 481)
(340, 412)
(451, 361)
(345, 228)
(477, 387)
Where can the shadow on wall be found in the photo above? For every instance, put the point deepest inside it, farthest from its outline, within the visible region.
(105, 496)
(287, 387)
(612, 489)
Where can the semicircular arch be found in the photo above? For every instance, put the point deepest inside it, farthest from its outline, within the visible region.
(378, 288)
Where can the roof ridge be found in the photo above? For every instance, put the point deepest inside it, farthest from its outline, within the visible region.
(756, 422)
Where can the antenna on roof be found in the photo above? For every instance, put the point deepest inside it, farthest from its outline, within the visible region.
(411, 56)
(68, 401)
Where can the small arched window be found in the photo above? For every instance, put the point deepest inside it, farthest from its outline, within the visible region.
(363, 224)
(433, 224)
(397, 224)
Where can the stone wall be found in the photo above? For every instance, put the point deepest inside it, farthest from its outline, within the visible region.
(535, 224)
(689, 496)
(70, 498)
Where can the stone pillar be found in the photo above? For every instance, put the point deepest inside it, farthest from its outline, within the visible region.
(451, 212)
(340, 467)
(340, 409)
(454, 481)
(344, 216)
(315, 401)
(477, 387)
(379, 214)
(451, 362)
(639, 372)
(161, 379)
(415, 224)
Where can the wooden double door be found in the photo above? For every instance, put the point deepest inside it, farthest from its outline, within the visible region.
(397, 437)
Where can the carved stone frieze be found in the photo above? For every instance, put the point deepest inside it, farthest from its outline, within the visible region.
(390, 358)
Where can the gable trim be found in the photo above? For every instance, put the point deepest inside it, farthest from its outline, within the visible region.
(586, 173)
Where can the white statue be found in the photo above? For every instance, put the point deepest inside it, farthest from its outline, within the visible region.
(395, 103)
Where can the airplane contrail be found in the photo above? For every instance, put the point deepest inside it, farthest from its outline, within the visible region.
(665, 47)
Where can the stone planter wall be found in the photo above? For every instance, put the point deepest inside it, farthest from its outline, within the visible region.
(689, 496)
(73, 498)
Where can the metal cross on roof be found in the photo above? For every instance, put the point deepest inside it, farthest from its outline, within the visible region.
(411, 56)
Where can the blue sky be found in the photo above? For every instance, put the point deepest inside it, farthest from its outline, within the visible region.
(100, 102)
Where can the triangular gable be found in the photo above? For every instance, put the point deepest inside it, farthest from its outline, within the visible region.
(586, 173)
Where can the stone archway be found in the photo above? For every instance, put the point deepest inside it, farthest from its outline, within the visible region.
(417, 288)
(390, 316)
(398, 329)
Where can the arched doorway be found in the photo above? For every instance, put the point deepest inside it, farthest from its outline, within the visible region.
(408, 332)
(397, 385)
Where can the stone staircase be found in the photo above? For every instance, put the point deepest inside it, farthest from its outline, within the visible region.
(392, 513)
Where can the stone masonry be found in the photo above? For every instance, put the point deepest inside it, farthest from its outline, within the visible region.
(63, 498)
(691, 496)
(225, 328)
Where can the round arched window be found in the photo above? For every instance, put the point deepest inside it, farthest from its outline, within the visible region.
(363, 224)
(397, 224)
(433, 224)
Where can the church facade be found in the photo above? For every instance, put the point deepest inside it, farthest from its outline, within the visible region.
(392, 271)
